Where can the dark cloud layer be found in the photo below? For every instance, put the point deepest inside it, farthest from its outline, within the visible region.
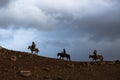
(80, 27)
(4, 3)
(98, 27)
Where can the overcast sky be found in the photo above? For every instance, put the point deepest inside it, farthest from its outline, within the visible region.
(79, 26)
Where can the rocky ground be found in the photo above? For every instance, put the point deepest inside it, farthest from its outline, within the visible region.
(16, 65)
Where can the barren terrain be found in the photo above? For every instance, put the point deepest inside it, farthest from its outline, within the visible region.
(16, 65)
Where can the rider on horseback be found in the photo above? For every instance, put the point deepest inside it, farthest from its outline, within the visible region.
(95, 53)
(64, 51)
(33, 45)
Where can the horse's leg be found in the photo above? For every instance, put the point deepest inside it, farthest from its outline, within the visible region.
(101, 58)
(37, 53)
(63, 58)
(94, 60)
(60, 57)
(32, 52)
(67, 58)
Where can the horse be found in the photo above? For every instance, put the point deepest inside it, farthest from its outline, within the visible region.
(36, 50)
(63, 55)
(95, 57)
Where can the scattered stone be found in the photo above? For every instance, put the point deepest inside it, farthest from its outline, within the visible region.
(80, 66)
(94, 63)
(13, 67)
(90, 69)
(102, 63)
(13, 58)
(25, 73)
(48, 77)
(83, 64)
(88, 64)
(111, 63)
(70, 65)
(59, 78)
(46, 69)
(20, 56)
(6, 69)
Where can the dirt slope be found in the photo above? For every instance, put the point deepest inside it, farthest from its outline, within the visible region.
(16, 65)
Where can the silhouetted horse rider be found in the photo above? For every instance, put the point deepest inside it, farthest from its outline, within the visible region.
(95, 53)
(64, 51)
(33, 45)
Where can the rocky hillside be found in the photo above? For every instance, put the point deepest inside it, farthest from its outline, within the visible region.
(16, 65)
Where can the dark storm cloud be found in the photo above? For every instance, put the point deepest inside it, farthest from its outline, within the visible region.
(72, 15)
(80, 26)
(4, 3)
(21, 13)
(99, 26)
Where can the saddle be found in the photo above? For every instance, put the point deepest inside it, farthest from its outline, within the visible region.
(64, 54)
(96, 56)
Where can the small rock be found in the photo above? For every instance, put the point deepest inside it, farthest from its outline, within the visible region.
(20, 56)
(90, 69)
(25, 73)
(46, 69)
(59, 78)
(70, 65)
(102, 63)
(13, 58)
(83, 64)
(13, 66)
(80, 66)
(93, 63)
(88, 64)
(111, 63)
(48, 77)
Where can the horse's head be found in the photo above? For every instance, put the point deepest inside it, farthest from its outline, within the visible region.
(58, 54)
(90, 56)
(29, 47)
